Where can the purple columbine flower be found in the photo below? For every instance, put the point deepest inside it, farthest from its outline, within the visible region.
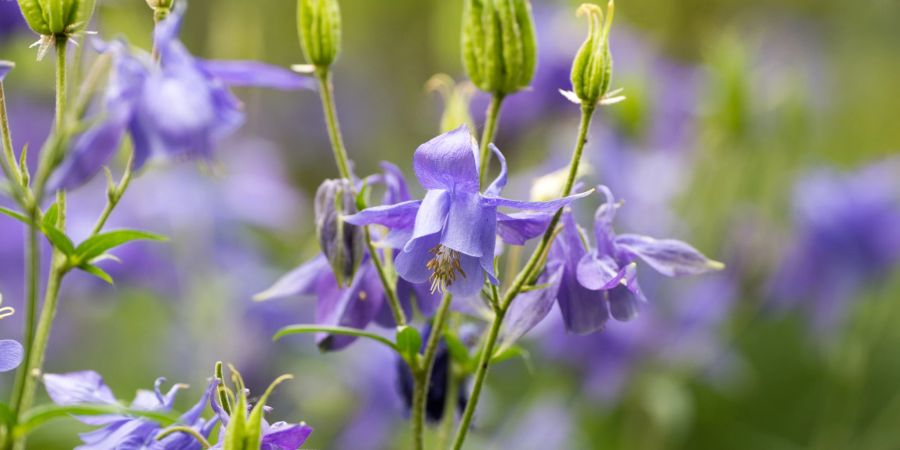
(453, 230)
(179, 108)
(358, 304)
(846, 235)
(122, 431)
(590, 284)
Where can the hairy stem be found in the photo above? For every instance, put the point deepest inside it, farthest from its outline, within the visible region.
(587, 113)
(422, 374)
(490, 129)
(326, 93)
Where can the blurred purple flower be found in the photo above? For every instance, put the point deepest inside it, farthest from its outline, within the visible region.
(358, 304)
(10, 19)
(590, 284)
(123, 431)
(179, 108)
(11, 353)
(436, 399)
(846, 236)
(454, 229)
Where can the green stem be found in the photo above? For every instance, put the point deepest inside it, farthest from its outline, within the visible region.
(587, 113)
(10, 166)
(187, 430)
(422, 374)
(346, 331)
(326, 93)
(113, 197)
(490, 129)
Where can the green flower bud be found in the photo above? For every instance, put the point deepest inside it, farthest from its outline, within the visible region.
(161, 8)
(499, 44)
(57, 17)
(457, 98)
(592, 68)
(319, 25)
(341, 242)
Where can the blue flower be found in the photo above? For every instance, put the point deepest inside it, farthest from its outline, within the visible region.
(11, 354)
(122, 431)
(592, 284)
(178, 109)
(453, 230)
(363, 301)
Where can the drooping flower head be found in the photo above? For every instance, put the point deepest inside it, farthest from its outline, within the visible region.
(363, 300)
(178, 108)
(454, 228)
(593, 283)
(124, 431)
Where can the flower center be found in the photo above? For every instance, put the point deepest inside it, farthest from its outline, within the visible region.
(444, 267)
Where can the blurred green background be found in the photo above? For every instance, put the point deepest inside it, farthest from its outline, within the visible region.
(784, 86)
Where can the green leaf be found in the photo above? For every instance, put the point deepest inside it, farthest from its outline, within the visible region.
(301, 329)
(39, 415)
(15, 215)
(254, 422)
(59, 240)
(362, 197)
(458, 350)
(513, 352)
(97, 272)
(409, 341)
(51, 216)
(101, 243)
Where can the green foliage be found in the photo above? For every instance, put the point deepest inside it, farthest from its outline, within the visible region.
(499, 44)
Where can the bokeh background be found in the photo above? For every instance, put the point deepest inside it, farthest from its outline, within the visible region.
(765, 133)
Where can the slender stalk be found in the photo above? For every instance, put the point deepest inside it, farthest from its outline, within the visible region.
(587, 113)
(114, 197)
(186, 430)
(422, 374)
(490, 129)
(326, 93)
(10, 166)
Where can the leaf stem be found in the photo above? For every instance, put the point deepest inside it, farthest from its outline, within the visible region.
(422, 374)
(490, 130)
(587, 113)
(326, 93)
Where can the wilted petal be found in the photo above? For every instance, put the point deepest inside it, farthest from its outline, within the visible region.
(256, 74)
(77, 388)
(669, 257)
(11, 354)
(302, 280)
(285, 436)
(401, 215)
(531, 307)
(448, 162)
(518, 228)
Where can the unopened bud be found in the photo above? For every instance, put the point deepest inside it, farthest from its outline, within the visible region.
(319, 25)
(592, 67)
(499, 44)
(341, 242)
(161, 8)
(57, 17)
(456, 102)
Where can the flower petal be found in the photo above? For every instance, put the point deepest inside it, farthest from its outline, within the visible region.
(5, 68)
(553, 205)
(532, 307)
(411, 262)
(432, 214)
(583, 310)
(91, 151)
(285, 436)
(301, 280)
(11, 354)
(354, 307)
(448, 162)
(500, 182)
(467, 221)
(78, 387)
(518, 228)
(597, 272)
(623, 303)
(603, 224)
(401, 215)
(396, 191)
(256, 74)
(669, 257)
(469, 284)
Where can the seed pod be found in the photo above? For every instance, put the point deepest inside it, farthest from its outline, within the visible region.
(341, 242)
(319, 26)
(592, 67)
(56, 17)
(499, 44)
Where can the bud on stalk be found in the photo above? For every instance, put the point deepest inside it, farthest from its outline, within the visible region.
(499, 44)
(57, 17)
(161, 8)
(319, 26)
(341, 242)
(592, 67)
